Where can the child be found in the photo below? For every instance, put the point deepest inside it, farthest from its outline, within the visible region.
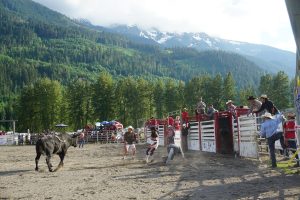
(290, 140)
(152, 143)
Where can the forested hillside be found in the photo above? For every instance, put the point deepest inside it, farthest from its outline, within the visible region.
(38, 45)
(38, 41)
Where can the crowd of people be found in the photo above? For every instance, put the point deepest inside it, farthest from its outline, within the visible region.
(275, 126)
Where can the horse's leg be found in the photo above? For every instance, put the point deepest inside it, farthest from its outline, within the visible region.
(37, 158)
(49, 163)
(61, 163)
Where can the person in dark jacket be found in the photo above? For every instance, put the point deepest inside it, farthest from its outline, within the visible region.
(267, 105)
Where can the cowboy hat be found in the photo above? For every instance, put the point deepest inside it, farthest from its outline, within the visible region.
(264, 96)
(130, 127)
(267, 115)
(229, 101)
(251, 98)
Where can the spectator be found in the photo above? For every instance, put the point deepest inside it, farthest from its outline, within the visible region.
(231, 108)
(268, 105)
(170, 120)
(129, 139)
(290, 141)
(81, 139)
(254, 103)
(185, 116)
(177, 123)
(201, 106)
(269, 131)
(211, 111)
(153, 122)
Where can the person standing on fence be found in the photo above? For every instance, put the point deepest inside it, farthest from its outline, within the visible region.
(211, 111)
(269, 131)
(231, 108)
(267, 105)
(200, 109)
(254, 104)
(290, 140)
(81, 139)
(129, 139)
(152, 144)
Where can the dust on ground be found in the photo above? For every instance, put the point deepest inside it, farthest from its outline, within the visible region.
(98, 172)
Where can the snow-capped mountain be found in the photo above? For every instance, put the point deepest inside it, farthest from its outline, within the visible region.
(267, 57)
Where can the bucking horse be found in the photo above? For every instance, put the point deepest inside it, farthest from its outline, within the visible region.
(54, 144)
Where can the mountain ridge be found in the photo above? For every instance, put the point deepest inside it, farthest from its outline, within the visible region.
(39, 43)
(268, 58)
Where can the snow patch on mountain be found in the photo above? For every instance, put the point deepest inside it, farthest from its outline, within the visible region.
(197, 37)
(164, 39)
(234, 42)
(143, 35)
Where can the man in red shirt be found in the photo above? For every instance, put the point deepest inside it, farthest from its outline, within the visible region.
(170, 121)
(289, 129)
(185, 116)
(177, 123)
(153, 122)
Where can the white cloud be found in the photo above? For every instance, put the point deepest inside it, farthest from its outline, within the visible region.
(254, 21)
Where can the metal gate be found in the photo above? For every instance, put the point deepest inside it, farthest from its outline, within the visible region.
(161, 132)
(248, 136)
(194, 136)
(208, 136)
(235, 135)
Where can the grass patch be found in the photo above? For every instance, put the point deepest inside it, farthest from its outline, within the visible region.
(288, 168)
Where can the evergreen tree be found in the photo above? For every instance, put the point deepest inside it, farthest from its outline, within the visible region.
(215, 92)
(159, 98)
(265, 86)
(171, 96)
(104, 97)
(281, 90)
(229, 87)
(78, 98)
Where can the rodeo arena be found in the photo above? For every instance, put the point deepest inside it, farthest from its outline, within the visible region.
(208, 155)
(245, 152)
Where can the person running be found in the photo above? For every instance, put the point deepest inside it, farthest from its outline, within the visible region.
(152, 144)
(172, 148)
(129, 139)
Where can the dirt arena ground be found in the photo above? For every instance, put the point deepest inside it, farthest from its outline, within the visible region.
(98, 172)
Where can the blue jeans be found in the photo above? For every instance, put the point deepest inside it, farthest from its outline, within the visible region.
(81, 143)
(271, 143)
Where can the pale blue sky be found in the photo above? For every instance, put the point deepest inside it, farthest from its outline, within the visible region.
(255, 21)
